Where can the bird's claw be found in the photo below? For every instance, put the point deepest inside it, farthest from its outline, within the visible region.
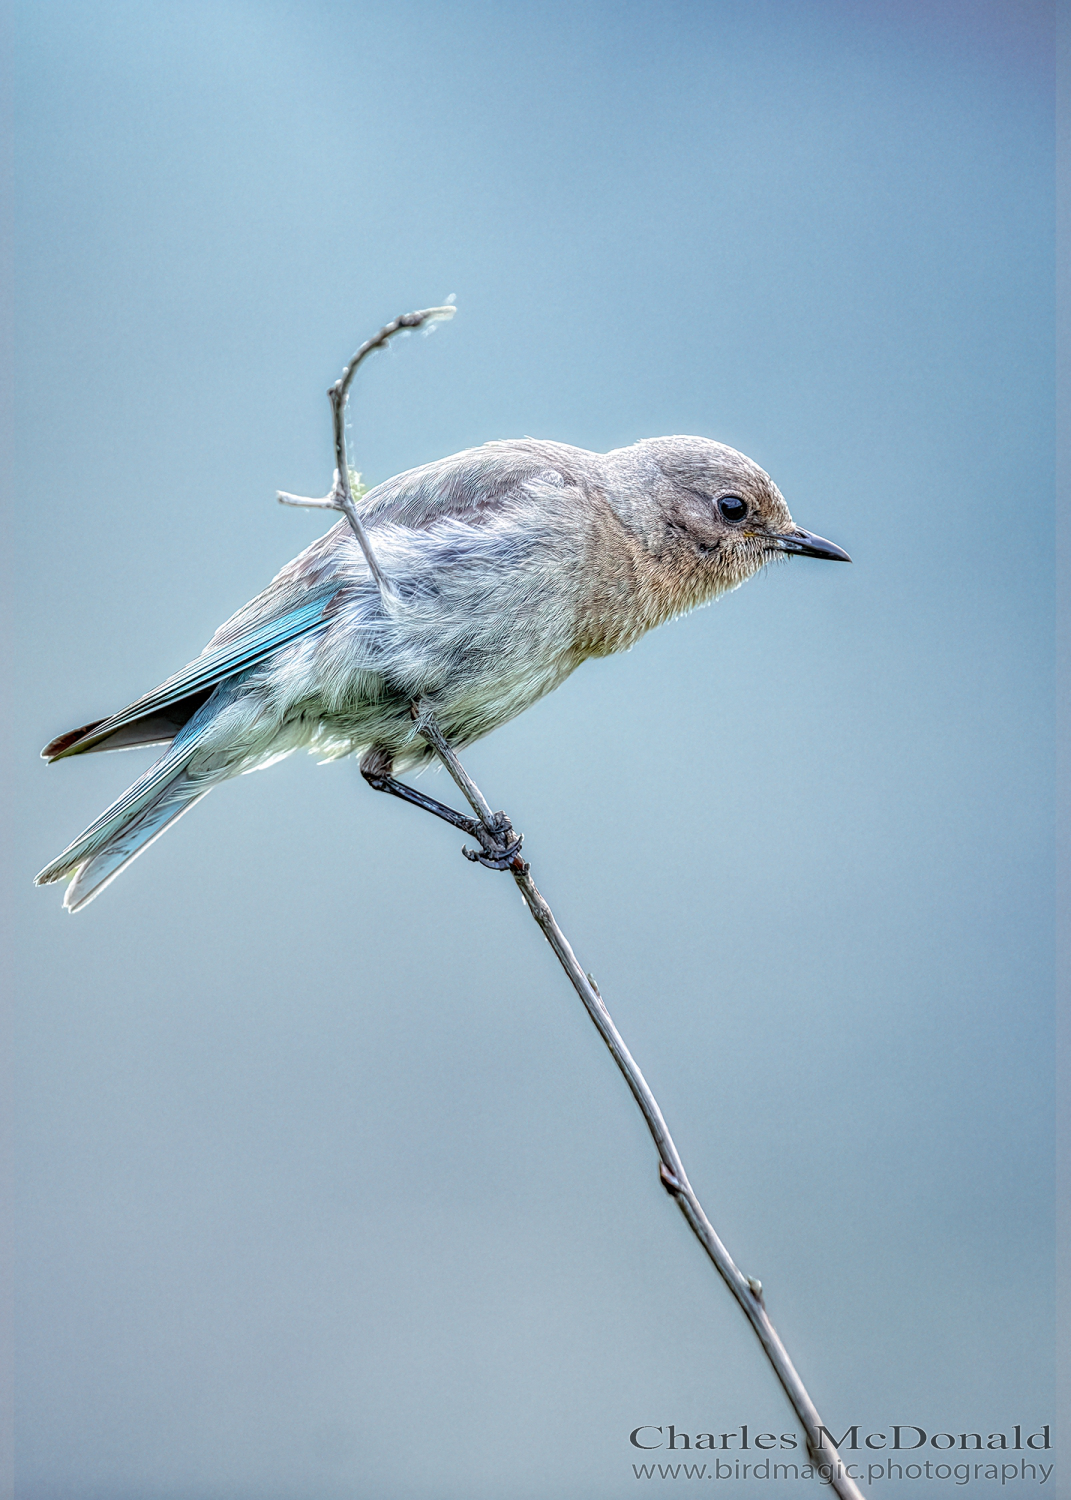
(500, 846)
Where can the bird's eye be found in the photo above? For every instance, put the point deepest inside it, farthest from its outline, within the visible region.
(732, 507)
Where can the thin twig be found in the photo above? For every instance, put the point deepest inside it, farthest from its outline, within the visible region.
(429, 730)
(341, 497)
(746, 1290)
(497, 837)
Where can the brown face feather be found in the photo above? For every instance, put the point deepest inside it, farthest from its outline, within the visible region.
(664, 542)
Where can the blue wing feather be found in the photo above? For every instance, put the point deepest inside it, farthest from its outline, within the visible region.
(198, 678)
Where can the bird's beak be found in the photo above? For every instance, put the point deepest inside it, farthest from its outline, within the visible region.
(807, 544)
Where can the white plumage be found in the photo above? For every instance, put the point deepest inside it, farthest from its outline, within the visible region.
(509, 565)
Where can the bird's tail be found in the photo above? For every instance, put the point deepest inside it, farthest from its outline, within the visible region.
(122, 831)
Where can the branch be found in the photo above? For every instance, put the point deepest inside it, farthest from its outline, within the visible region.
(500, 846)
(341, 497)
(746, 1290)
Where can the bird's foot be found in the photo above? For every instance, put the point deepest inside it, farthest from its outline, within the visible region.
(499, 845)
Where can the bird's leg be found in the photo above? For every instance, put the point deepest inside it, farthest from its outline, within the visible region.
(498, 845)
(376, 768)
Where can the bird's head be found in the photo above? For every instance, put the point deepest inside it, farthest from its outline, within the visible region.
(707, 512)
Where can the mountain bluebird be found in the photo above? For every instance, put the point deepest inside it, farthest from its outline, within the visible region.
(508, 566)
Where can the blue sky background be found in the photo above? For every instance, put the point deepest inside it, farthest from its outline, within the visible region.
(327, 1187)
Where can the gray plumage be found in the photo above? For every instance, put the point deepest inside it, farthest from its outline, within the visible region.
(509, 565)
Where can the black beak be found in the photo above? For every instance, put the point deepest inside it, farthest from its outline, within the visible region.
(807, 544)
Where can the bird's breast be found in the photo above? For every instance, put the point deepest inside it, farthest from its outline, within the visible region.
(630, 588)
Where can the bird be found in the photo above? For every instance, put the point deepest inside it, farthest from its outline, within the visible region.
(508, 565)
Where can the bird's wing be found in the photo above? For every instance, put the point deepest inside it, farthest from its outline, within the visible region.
(158, 716)
(468, 485)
